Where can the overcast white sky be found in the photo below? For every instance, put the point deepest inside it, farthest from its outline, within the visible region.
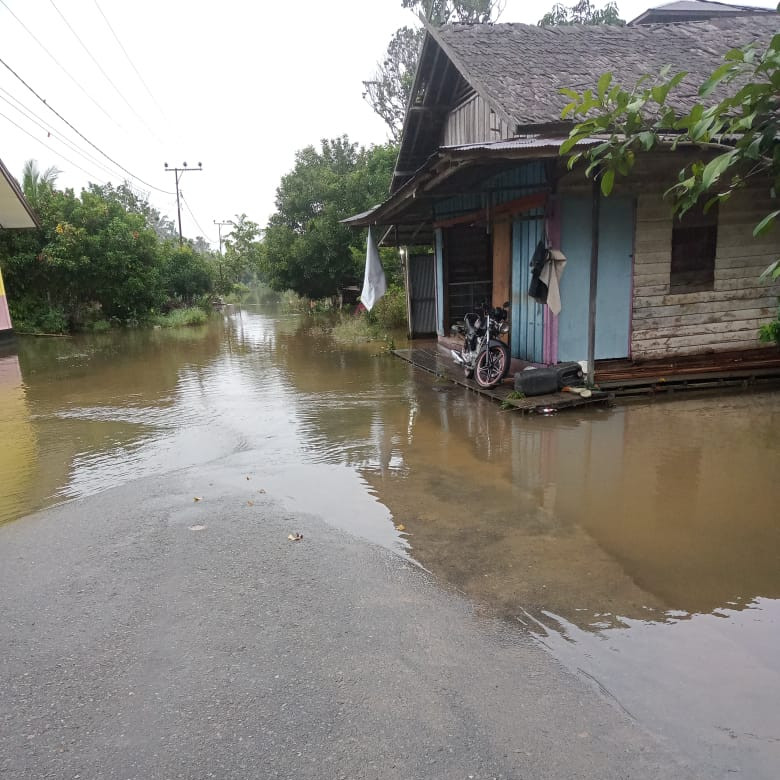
(236, 85)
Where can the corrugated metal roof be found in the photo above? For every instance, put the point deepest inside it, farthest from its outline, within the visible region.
(523, 142)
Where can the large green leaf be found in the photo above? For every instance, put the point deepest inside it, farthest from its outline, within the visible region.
(765, 224)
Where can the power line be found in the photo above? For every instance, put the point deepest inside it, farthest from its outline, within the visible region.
(105, 75)
(80, 134)
(58, 63)
(195, 220)
(75, 165)
(129, 59)
(34, 118)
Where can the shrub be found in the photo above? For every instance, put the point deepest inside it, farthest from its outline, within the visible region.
(770, 331)
(355, 329)
(389, 313)
(30, 315)
(179, 318)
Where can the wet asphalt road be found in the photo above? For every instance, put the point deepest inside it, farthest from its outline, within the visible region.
(134, 647)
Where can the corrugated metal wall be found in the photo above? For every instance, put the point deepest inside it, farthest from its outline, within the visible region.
(422, 295)
(516, 182)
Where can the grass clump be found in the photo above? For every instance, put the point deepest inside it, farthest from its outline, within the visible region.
(355, 329)
(515, 395)
(182, 318)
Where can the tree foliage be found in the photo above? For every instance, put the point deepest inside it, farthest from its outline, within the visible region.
(305, 247)
(440, 12)
(734, 128)
(242, 251)
(388, 90)
(35, 184)
(582, 12)
(736, 135)
(96, 256)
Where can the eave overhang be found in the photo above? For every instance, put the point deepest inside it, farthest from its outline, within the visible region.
(406, 217)
(15, 211)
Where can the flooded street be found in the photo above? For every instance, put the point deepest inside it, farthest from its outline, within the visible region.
(639, 544)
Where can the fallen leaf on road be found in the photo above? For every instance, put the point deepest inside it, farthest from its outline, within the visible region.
(261, 491)
(197, 498)
(250, 503)
(296, 537)
(248, 478)
(400, 527)
(197, 528)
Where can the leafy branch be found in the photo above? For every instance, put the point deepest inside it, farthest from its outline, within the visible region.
(737, 134)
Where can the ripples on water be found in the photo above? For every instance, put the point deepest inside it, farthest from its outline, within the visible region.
(639, 544)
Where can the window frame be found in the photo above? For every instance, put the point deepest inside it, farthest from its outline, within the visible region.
(693, 251)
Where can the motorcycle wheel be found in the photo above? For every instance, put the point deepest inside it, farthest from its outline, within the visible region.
(490, 367)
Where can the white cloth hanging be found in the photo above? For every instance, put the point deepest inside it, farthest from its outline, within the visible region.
(374, 282)
(551, 275)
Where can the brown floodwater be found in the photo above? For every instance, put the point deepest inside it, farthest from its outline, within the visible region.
(639, 544)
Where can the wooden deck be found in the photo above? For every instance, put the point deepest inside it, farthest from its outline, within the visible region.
(741, 368)
(435, 361)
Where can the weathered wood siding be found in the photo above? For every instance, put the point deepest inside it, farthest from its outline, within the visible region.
(726, 317)
(473, 122)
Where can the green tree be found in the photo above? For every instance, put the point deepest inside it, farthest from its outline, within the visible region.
(36, 184)
(242, 252)
(440, 12)
(96, 255)
(185, 274)
(306, 248)
(735, 134)
(133, 201)
(388, 90)
(582, 12)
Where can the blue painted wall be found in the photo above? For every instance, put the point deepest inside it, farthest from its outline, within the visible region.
(527, 316)
(613, 297)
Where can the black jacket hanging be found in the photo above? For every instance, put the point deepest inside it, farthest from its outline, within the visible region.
(537, 289)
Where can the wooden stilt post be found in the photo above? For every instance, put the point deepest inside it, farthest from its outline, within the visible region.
(594, 278)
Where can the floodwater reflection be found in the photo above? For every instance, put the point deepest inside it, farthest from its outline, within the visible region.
(640, 544)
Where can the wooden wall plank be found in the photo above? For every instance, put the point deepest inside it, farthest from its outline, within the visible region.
(726, 317)
(502, 262)
(681, 320)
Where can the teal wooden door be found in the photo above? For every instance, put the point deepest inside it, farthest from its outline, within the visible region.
(613, 296)
(527, 316)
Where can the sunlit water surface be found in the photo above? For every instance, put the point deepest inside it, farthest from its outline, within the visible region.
(640, 544)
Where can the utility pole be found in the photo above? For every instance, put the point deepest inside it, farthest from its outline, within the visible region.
(178, 172)
(220, 225)
(221, 258)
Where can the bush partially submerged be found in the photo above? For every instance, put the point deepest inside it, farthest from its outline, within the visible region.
(389, 313)
(179, 318)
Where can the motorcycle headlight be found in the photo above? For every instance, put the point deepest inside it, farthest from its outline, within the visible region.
(504, 328)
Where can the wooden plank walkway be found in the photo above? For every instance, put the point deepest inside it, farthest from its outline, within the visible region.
(742, 368)
(436, 362)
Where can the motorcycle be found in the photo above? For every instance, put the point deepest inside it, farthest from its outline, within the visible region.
(484, 356)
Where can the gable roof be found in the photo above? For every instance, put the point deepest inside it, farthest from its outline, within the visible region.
(522, 68)
(693, 10)
(519, 69)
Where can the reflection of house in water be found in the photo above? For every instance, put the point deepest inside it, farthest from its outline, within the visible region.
(630, 513)
(15, 213)
(19, 451)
